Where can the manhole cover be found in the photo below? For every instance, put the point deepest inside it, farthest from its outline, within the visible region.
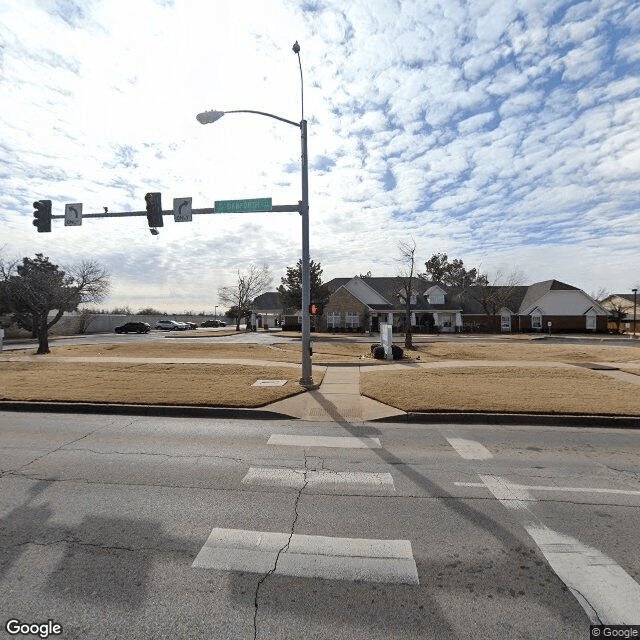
(269, 383)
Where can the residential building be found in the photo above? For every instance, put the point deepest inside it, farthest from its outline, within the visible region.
(360, 304)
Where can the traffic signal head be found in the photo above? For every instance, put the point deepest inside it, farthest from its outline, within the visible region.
(154, 209)
(312, 309)
(42, 215)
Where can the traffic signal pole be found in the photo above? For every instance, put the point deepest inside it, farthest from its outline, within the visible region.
(281, 208)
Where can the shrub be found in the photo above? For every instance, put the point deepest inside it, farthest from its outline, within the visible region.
(374, 346)
(396, 352)
(378, 352)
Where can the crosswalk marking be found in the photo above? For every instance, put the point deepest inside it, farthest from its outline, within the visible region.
(388, 561)
(624, 492)
(349, 442)
(607, 593)
(469, 449)
(512, 496)
(296, 478)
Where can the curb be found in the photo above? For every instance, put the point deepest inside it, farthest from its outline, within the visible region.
(162, 411)
(450, 417)
(537, 419)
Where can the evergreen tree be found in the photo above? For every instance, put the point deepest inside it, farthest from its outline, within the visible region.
(291, 288)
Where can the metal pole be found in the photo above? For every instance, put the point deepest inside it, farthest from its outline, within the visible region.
(635, 291)
(307, 378)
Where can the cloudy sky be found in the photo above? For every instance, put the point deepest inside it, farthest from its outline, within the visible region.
(502, 132)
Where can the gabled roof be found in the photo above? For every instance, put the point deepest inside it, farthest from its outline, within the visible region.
(387, 287)
(625, 296)
(539, 289)
(268, 300)
(469, 298)
(364, 292)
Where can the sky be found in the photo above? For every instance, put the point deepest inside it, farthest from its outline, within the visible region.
(505, 133)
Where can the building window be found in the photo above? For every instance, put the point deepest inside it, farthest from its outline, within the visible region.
(436, 298)
(352, 320)
(536, 320)
(334, 319)
(591, 321)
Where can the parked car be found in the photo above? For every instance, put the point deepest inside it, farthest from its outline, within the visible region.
(213, 323)
(133, 327)
(191, 325)
(171, 325)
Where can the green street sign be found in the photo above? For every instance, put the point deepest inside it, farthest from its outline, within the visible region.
(242, 206)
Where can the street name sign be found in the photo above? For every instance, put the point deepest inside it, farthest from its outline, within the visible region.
(242, 206)
(73, 214)
(182, 209)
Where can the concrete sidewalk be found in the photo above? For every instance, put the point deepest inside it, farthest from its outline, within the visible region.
(337, 400)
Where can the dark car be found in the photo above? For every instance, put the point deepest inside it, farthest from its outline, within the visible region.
(134, 327)
(213, 323)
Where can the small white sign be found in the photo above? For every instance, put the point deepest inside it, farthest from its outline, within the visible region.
(73, 214)
(386, 339)
(182, 209)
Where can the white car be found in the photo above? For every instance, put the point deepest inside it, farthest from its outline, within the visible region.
(171, 325)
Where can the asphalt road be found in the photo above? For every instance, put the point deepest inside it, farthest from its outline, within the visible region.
(135, 527)
(155, 336)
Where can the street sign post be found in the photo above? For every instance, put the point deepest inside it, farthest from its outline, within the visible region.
(73, 214)
(182, 210)
(242, 206)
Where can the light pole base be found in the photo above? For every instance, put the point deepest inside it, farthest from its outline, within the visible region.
(308, 384)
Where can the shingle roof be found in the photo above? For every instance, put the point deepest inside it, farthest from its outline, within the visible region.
(268, 300)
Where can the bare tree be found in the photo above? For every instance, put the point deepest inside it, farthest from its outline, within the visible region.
(35, 288)
(249, 285)
(619, 307)
(496, 294)
(407, 259)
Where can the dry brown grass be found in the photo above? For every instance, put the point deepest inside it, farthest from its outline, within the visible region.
(534, 390)
(333, 352)
(523, 351)
(323, 353)
(516, 348)
(183, 384)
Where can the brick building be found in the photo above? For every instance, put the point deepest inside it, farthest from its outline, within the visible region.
(359, 304)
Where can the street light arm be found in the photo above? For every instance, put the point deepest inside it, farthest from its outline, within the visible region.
(211, 116)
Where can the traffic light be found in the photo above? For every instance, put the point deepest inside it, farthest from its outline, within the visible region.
(312, 309)
(42, 215)
(154, 209)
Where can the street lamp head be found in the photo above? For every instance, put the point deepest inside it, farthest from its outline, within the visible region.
(208, 117)
(296, 47)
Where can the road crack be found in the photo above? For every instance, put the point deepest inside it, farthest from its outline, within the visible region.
(282, 550)
(65, 444)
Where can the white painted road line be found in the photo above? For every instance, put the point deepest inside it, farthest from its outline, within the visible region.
(606, 592)
(469, 449)
(512, 496)
(296, 478)
(348, 442)
(389, 561)
(624, 492)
